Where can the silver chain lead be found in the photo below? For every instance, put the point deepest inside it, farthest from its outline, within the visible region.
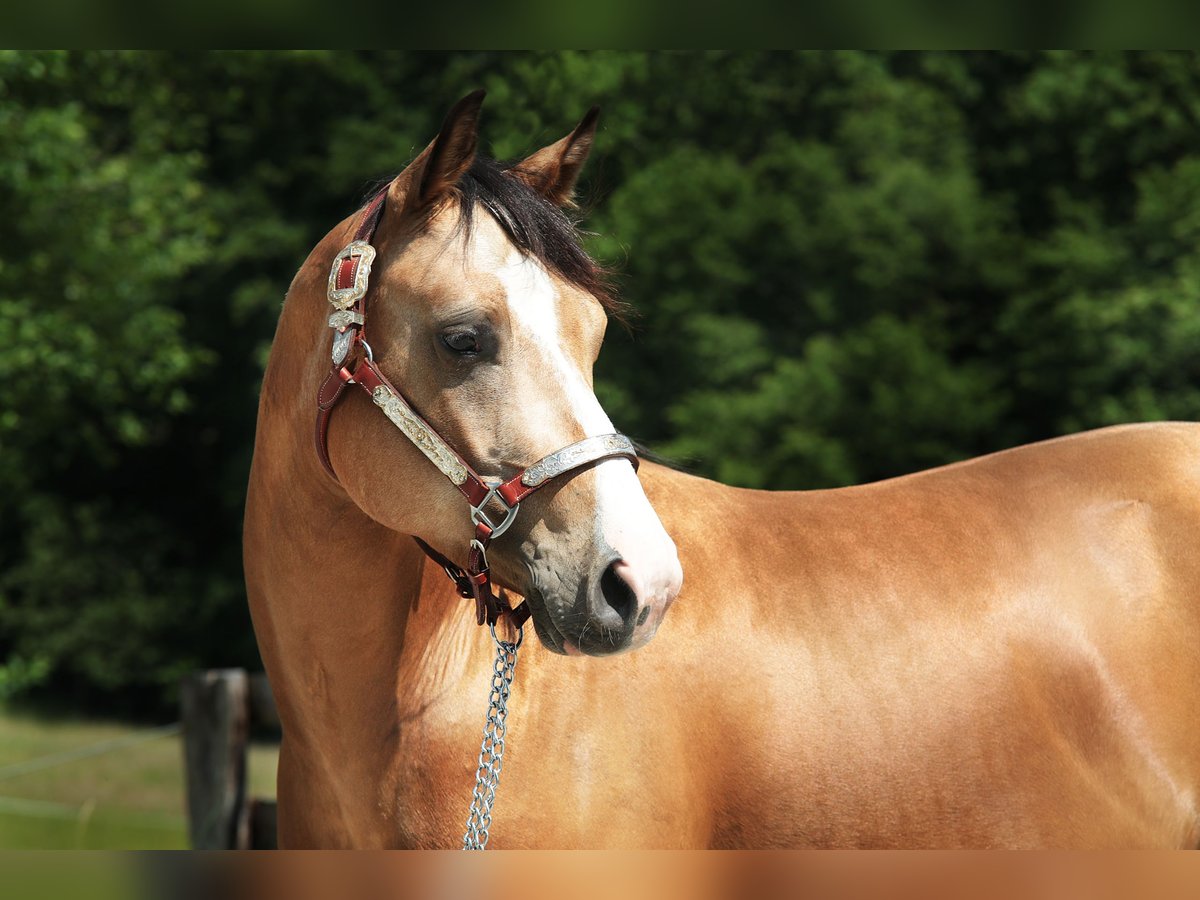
(491, 752)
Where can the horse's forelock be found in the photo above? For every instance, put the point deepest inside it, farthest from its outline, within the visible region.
(536, 226)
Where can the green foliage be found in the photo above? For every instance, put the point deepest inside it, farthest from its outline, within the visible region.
(846, 266)
(18, 675)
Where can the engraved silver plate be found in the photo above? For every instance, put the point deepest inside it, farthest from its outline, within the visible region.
(342, 342)
(344, 298)
(415, 429)
(577, 454)
(343, 317)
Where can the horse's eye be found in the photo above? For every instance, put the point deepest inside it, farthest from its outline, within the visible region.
(464, 343)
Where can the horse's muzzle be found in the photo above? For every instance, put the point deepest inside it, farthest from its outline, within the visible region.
(619, 612)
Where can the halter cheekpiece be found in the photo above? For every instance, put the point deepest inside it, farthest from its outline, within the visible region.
(494, 502)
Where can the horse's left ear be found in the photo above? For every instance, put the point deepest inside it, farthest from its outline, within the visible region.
(553, 170)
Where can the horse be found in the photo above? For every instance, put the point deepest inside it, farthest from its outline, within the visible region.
(1001, 652)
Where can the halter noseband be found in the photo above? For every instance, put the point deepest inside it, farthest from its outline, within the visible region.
(494, 502)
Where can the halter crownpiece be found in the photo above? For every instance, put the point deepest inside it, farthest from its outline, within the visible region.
(494, 502)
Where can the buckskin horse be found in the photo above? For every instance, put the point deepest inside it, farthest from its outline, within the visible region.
(1002, 652)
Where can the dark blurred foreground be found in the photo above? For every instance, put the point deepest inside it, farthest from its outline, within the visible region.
(834, 875)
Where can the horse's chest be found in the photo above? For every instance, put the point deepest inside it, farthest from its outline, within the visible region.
(560, 785)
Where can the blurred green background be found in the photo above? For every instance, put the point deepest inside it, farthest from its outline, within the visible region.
(845, 266)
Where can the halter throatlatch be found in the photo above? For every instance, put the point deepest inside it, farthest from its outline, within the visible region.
(494, 503)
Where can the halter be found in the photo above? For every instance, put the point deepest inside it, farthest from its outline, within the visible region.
(494, 502)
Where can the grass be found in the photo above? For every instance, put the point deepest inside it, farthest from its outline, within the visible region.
(129, 797)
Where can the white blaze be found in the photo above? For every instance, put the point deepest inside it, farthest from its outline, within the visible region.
(532, 304)
(625, 520)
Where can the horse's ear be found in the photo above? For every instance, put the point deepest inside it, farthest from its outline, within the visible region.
(437, 170)
(553, 170)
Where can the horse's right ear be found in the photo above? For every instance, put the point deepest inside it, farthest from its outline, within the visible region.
(433, 174)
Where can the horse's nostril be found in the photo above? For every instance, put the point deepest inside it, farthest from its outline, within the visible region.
(617, 593)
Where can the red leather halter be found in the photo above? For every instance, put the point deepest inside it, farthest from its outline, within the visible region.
(494, 502)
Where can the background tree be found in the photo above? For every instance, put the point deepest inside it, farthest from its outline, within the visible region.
(846, 266)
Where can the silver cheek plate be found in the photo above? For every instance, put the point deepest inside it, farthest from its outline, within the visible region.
(418, 431)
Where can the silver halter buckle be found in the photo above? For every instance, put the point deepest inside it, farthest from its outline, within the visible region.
(344, 298)
(480, 516)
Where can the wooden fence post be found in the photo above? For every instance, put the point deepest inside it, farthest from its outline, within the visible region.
(216, 707)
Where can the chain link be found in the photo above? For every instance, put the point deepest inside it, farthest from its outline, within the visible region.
(491, 752)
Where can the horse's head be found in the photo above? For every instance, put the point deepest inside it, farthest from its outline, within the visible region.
(488, 316)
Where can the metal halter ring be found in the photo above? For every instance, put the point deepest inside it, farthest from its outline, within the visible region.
(365, 346)
(480, 517)
(504, 644)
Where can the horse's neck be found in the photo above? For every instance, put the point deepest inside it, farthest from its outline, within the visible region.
(356, 629)
(334, 594)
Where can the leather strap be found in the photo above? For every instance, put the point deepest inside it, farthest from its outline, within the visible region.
(371, 216)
